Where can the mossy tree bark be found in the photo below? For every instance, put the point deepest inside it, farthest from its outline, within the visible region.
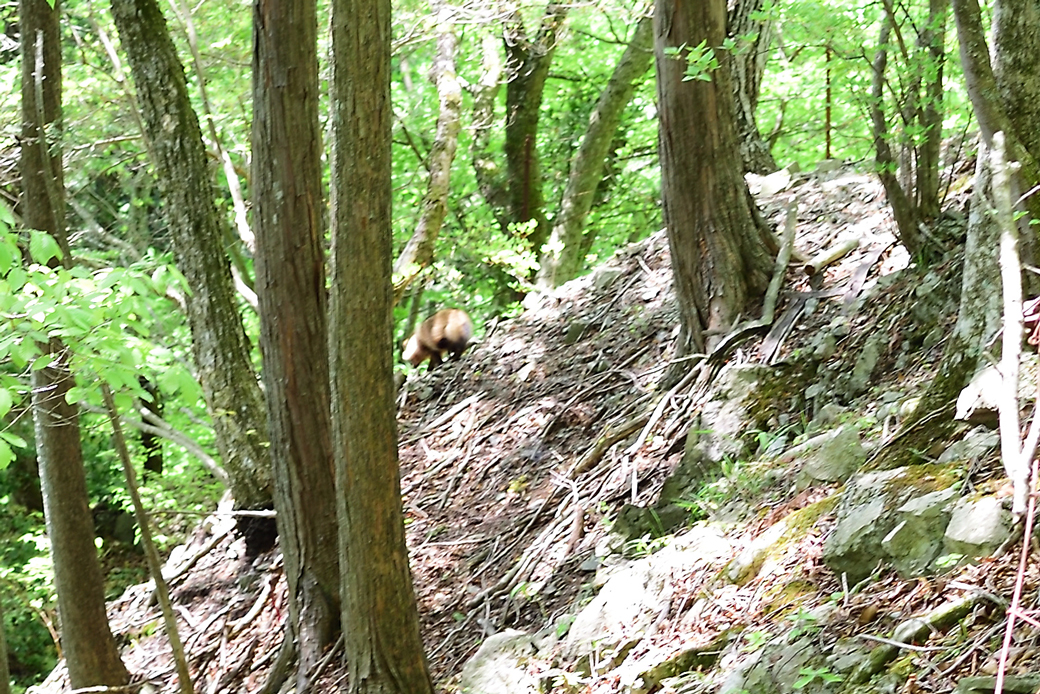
(380, 618)
(290, 287)
(721, 251)
(564, 255)
(90, 650)
(219, 343)
(418, 252)
(753, 34)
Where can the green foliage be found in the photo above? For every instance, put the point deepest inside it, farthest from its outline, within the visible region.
(807, 675)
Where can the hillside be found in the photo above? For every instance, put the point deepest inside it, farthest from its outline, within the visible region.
(526, 464)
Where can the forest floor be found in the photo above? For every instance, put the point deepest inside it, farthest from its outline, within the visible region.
(506, 493)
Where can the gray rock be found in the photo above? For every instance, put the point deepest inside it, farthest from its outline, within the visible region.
(830, 457)
(866, 514)
(636, 594)
(499, 667)
(865, 363)
(917, 540)
(975, 444)
(977, 527)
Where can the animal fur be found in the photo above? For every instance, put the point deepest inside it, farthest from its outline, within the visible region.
(446, 332)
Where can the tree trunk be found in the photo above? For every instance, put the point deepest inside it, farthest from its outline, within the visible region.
(219, 343)
(903, 208)
(933, 42)
(5, 671)
(527, 67)
(1016, 40)
(979, 316)
(290, 282)
(380, 618)
(564, 257)
(490, 178)
(753, 36)
(90, 650)
(721, 253)
(418, 253)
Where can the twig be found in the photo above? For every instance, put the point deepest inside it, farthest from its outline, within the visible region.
(154, 564)
(1011, 347)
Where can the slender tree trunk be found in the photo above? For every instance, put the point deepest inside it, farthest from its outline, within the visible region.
(380, 618)
(933, 42)
(418, 252)
(90, 650)
(5, 671)
(721, 253)
(221, 349)
(753, 36)
(979, 316)
(563, 258)
(527, 67)
(290, 281)
(903, 208)
(490, 178)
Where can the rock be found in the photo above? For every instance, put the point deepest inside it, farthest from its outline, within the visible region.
(1025, 684)
(867, 514)
(604, 277)
(636, 594)
(718, 432)
(830, 457)
(918, 538)
(865, 363)
(975, 444)
(977, 403)
(498, 666)
(977, 527)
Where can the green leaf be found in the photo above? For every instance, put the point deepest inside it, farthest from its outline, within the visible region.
(43, 247)
(41, 362)
(13, 439)
(5, 402)
(6, 455)
(76, 394)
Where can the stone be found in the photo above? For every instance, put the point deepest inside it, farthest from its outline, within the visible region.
(977, 527)
(918, 538)
(499, 666)
(830, 457)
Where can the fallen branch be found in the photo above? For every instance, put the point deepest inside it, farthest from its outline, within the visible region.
(830, 255)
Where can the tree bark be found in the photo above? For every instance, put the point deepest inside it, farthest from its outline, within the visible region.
(219, 343)
(721, 253)
(418, 252)
(5, 670)
(380, 618)
(753, 36)
(564, 257)
(903, 208)
(932, 42)
(290, 282)
(527, 67)
(90, 650)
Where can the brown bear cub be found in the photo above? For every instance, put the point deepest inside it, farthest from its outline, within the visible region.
(447, 331)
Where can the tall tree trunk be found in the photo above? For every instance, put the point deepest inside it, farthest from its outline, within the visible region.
(290, 283)
(490, 178)
(903, 208)
(5, 670)
(527, 67)
(979, 316)
(380, 618)
(564, 257)
(418, 252)
(753, 35)
(721, 252)
(90, 650)
(219, 343)
(932, 42)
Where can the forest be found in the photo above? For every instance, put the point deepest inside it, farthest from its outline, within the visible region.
(219, 227)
